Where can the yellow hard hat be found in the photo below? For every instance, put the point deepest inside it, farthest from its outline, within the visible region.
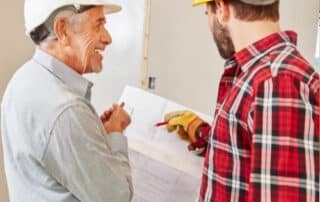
(251, 2)
(199, 2)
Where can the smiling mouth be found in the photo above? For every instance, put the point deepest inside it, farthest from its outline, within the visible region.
(99, 52)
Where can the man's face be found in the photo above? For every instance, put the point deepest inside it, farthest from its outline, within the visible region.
(88, 39)
(221, 35)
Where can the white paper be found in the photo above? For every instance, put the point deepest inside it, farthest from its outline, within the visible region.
(143, 136)
(163, 170)
(154, 181)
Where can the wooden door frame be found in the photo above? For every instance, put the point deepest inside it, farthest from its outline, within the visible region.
(144, 68)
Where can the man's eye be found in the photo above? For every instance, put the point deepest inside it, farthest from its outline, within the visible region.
(100, 26)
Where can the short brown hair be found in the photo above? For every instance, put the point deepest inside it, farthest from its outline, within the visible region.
(247, 12)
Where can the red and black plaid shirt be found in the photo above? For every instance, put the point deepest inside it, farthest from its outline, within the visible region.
(264, 140)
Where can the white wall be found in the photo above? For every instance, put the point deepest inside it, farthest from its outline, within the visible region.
(123, 58)
(182, 54)
(184, 59)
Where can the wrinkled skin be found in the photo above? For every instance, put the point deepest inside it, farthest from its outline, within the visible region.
(88, 37)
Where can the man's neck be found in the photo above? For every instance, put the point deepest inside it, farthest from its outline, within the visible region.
(60, 55)
(244, 34)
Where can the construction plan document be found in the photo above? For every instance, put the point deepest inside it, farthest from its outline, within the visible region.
(163, 169)
(154, 181)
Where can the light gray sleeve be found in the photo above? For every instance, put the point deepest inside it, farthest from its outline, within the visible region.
(93, 166)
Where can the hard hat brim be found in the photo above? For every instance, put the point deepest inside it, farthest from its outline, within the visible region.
(112, 8)
(200, 2)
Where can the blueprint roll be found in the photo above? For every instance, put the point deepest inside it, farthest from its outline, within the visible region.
(317, 55)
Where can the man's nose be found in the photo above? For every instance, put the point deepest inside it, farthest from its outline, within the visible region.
(106, 37)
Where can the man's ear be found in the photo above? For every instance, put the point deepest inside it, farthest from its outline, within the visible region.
(59, 28)
(223, 11)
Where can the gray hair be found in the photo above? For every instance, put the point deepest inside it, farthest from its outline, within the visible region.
(44, 34)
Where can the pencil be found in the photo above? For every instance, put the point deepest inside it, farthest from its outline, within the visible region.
(161, 123)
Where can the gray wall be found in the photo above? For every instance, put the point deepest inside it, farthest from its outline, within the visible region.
(179, 61)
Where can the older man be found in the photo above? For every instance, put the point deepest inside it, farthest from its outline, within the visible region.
(56, 148)
(263, 144)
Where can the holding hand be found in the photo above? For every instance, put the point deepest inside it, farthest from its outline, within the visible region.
(115, 119)
(188, 126)
(185, 123)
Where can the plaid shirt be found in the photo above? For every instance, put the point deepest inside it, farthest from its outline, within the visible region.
(264, 143)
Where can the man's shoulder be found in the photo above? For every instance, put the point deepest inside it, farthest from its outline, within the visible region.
(39, 92)
(284, 62)
(33, 100)
(283, 65)
(36, 80)
(291, 63)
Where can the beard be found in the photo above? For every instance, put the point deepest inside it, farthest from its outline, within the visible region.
(223, 40)
(95, 65)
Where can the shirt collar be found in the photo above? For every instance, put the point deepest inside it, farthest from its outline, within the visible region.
(66, 74)
(246, 57)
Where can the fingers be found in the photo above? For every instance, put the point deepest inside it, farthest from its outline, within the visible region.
(122, 116)
(106, 115)
(171, 128)
(118, 120)
(178, 120)
(171, 115)
(173, 119)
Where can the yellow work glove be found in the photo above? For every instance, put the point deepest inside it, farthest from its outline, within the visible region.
(186, 123)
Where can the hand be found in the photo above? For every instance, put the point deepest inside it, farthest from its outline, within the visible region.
(186, 123)
(115, 119)
(106, 115)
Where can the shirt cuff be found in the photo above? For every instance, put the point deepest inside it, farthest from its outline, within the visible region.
(117, 142)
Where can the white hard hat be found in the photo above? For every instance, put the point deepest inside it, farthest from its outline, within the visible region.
(37, 12)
